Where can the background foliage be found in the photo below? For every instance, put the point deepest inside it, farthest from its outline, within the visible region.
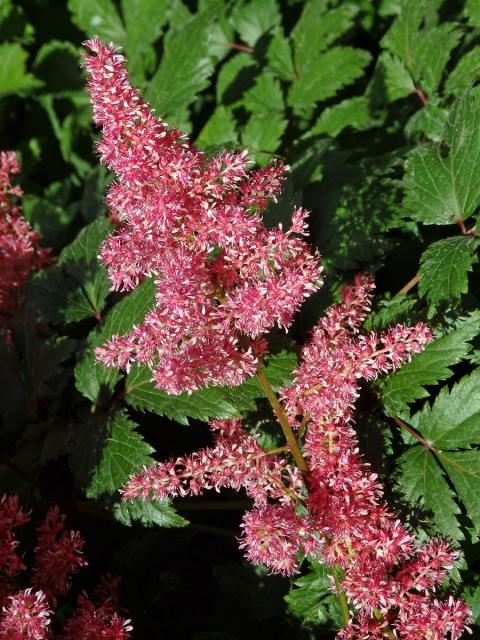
(375, 107)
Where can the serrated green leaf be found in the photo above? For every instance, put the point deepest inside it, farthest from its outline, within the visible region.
(429, 122)
(396, 79)
(144, 22)
(318, 28)
(308, 597)
(422, 479)
(429, 367)
(255, 18)
(158, 513)
(401, 39)
(219, 129)
(463, 468)
(279, 55)
(213, 402)
(262, 135)
(325, 76)
(124, 452)
(265, 95)
(185, 68)
(431, 54)
(352, 112)
(444, 268)
(14, 77)
(465, 74)
(452, 421)
(77, 287)
(98, 17)
(442, 184)
(472, 12)
(95, 381)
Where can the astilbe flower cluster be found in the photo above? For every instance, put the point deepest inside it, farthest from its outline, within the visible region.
(223, 281)
(26, 613)
(336, 514)
(20, 253)
(194, 224)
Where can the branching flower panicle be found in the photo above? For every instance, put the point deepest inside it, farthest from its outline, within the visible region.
(194, 224)
(223, 280)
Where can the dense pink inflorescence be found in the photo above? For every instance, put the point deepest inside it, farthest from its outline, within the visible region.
(27, 617)
(389, 580)
(222, 281)
(193, 223)
(20, 253)
(92, 621)
(58, 555)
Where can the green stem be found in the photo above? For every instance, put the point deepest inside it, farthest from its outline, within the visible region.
(282, 419)
(342, 598)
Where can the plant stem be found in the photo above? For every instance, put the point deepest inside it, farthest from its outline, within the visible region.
(282, 419)
(410, 284)
(342, 598)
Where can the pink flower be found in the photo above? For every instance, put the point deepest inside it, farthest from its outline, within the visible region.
(20, 253)
(236, 462)
(193, 223)
(58, 555)
(91, 622)
(27, 617)
(12, 516)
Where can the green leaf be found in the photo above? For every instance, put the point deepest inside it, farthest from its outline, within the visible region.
(144, 21)
(311, 599)
(429, 121)
(231, 78)
(444, 268)
(442, 184)
(98, 17)
(253, 19)
(265, 95)
(77, 287)
(396, 79)
(185, 68)
(472, 596)
(262, 135)
(422, 479)
(401, 39)
(325, 76)
(352, 112)
(466, 73)
(318, 28)
(158, 513)
(125, 452)
(13, 74)
(213, 402)
(463, 468)
(472, 12)
(452, 421)
(219, 129)
(429, 367)
(95, 381)
(279, 55)
(431, 54)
